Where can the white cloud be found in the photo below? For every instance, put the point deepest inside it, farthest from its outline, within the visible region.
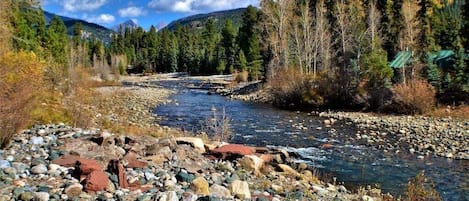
(132, 12)
(187, 6)
(101, 19)
(82, 5)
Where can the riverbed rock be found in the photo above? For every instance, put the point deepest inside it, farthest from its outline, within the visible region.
(240, 189)
(200, 186)
(288, 170)
(197, 143)
(233, 151)
(74, 190)
(219, 191)
(133, 162)
(252, 163)
(39, 169)
(97, 180)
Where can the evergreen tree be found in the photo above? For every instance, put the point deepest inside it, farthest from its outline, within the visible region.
(57, 40)
(77, 34)
(151, 40)
(229, 45)
(248, 41)
(240, 62)
(210, 38)
(28, 26)
(465, 29)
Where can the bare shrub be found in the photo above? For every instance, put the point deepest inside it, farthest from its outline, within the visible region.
(420, 188)
(290, 88)
(20, 78)
(241, 76)
(217, 127)
(415, 97)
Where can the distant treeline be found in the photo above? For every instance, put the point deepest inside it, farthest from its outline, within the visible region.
(206, 51)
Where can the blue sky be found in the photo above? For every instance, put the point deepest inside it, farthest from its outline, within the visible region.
(144, 12)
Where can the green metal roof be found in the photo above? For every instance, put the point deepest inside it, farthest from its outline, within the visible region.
(401, 59)
(443, 58)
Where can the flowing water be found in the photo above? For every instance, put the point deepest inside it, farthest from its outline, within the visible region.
(304, 134)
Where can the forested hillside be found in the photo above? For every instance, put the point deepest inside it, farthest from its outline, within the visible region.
(90, 29)
(208, 51)
(197, 22)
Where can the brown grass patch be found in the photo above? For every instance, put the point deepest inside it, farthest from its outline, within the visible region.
(458, 112)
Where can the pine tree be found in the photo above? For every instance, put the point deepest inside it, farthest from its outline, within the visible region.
(77, 34)
(210, 38)
(57, 40)
(465, 29)
(240, 62)
(249, 43)
(229, 45)
(29, 27)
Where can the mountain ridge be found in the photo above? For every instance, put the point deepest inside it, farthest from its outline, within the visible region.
(89, 29)
(198, 21)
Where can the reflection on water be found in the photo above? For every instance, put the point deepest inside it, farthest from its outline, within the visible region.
(263, 125)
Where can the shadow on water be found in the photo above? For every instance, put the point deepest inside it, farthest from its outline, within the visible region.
(304, 134)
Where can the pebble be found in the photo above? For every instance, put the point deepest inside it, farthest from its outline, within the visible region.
(37, 140)
(41, 196)
(39, 169)
(4, 164)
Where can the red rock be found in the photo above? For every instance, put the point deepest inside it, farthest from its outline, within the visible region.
(266, 157)
(233, 150)
(132, 161)
(327, 146)
(66, 160)
(82, 166)
(116, 167)
(96, 181)
(87, 166)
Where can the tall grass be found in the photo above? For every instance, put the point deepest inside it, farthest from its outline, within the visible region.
(420, 188)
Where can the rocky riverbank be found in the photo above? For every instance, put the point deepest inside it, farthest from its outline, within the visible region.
(418, 135)
(58, 162)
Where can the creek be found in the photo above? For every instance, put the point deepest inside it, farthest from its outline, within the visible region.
(306, 135)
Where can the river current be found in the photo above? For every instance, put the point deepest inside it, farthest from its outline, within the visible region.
(306, 135)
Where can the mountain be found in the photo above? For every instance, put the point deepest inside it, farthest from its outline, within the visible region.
(127, 24)
(220, 17)
(89, 29)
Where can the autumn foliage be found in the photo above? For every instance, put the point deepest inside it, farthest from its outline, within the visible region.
(20, 80)
(415, 97)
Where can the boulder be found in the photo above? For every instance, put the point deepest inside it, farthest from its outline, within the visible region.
(197, 143)
(82, 166)
(133, 162)
(233, 151)
(252, 163)
(158, 159)
(86, 166)
(41, 196)
(200, 186)
(39, 169)
(288, 170)
(96, 181)
(240, 189)
(73, 190)
(115, 167)
(219, 191)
